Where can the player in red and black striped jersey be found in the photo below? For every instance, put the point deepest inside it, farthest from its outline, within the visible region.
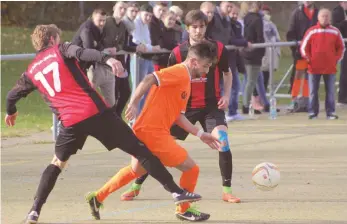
(56, 74)
(206, 103)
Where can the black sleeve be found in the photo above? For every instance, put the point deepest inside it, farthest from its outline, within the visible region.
(291, 33)
(172, 60)
(155, 34)
(23, 87)
(127, 43)
(338, 19)
(87, 38)
(223, 63)
(89, 55)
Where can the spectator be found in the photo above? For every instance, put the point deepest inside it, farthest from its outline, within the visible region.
(220, 27)
(254, 33)
(237, 64)
(208, 8)
(179, 26)
(340, 21)
(141, 35)
(169, 40)
(302, 18)
(322, 47)
(89, 34)
(156, 25)
(270, 35)
(116, 35)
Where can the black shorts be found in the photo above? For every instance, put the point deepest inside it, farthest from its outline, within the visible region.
(209, 119)
(107, 127)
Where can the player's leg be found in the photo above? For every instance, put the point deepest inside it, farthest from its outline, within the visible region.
(113, 132)
(189, 178)
(216, 125)
(178, 133)
(67, 144)
(123, 93)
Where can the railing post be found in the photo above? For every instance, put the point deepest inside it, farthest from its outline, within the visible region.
(134, 63)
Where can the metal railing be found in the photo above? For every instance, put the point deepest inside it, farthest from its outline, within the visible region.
(135, 76)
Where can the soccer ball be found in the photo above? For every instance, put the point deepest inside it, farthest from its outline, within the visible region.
(266, 176)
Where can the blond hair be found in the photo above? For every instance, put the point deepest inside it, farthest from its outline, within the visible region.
(177, 10)
(42, 34)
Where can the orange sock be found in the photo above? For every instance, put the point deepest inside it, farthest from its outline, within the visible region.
(123, 177)
(188, 182)
(305, 91)
(296, 88)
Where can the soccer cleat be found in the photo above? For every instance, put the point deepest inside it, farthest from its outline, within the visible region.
(185, 197)
(131, 193)
(230, 198)
(332, 117)
(192, 215)
(32, 218)
(94, 205)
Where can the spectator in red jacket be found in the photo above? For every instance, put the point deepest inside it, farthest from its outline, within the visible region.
(323, 48)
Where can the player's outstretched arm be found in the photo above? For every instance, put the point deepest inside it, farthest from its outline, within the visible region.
(69, 50)
(207, 138)
(141, 89)
(22, 88)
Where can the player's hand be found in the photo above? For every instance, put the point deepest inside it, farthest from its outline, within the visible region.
(223, 103)
(117, 67)
(10, 120)
(131, 112)
(210, 140)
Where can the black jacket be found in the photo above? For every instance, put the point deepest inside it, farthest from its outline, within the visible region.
(254, 33)
(88, 36)
(238, 40)
(339, 20)
(219, 29)
(298, 25)
(169, 40)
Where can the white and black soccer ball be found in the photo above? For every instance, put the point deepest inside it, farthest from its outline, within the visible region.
(266, 176)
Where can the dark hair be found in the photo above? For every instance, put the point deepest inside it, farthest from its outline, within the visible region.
(203, 50)
(99, 11)
(146, 8)
(195, 16)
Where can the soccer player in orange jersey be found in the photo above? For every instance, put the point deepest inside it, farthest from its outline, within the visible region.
(165, 106)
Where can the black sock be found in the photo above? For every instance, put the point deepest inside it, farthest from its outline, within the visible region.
(47, 182)
(226, 167)
(156, 169)
(141, 179)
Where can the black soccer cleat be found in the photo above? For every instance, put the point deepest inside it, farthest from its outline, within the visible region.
(32, 218)
(192, 215)
(185, 197)
(94, 205)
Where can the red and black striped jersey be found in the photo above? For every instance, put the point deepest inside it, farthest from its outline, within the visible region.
(205, 91)
(56, 74)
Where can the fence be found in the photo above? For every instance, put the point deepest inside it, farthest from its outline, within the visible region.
(135, 77)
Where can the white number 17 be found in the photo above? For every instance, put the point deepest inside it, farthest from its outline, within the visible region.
(40, 76)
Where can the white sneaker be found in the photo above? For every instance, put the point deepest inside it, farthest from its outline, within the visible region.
(236, 117)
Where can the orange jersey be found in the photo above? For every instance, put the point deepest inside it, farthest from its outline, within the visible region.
(166, 101)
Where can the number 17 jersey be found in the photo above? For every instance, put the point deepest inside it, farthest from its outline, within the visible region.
(64, 86)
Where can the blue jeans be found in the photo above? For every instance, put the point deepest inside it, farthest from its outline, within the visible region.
(234, 95)
(313, 104)
(260, 88)
(145, 67)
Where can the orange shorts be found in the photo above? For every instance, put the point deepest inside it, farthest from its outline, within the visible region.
(301, 64)
(163, 146)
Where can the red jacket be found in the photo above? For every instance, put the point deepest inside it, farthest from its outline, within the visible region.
(323, 47)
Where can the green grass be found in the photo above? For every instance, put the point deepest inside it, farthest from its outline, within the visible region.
(34, 114)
